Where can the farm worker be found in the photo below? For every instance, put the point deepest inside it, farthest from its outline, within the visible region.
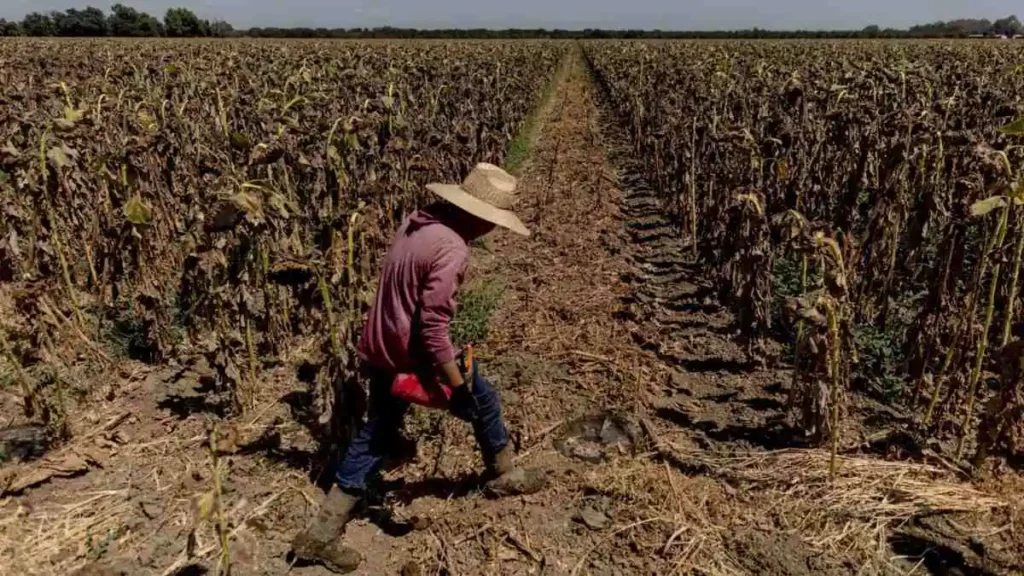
(407, 332)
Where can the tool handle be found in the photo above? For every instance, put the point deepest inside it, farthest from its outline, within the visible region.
(466, 366)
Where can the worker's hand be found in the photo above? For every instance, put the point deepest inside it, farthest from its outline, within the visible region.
(451, 374)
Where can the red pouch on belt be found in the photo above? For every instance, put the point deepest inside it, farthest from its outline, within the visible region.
(410, 388)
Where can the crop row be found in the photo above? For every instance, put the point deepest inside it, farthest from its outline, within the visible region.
(228, 197)
(858, 201)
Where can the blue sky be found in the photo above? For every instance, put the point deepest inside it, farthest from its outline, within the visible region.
(664, 14)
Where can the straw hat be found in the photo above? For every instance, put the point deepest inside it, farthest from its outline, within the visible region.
(488, 193)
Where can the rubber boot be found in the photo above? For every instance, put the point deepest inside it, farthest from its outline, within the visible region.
(510, 480)
(320, 543)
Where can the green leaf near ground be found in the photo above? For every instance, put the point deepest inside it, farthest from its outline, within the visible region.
(476, 305)
(138, 212)
(1015, 128)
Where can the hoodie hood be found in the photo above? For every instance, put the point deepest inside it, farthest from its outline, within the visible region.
(425, 217)
(464, 224)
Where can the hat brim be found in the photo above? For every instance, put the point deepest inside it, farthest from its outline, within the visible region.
(459, 197)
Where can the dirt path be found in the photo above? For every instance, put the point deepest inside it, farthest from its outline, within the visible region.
(561, 362)
(620, 377)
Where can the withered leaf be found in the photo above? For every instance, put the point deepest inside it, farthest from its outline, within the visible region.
(58, 156)
(70, 118)
(247, 202)
(138, 212)
(147, 121)
(204, 505)
(1015, 128)
(227, 439)
(266, 155)
(782, 170)
(230, 212)
(73, 115)
(290, 273)
(332, 154)
(352, 140)
(69, 466)
(240, 141)
(983, 207)
(281, 205)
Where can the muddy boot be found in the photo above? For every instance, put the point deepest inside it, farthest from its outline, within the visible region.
(510, 480)
(321, 542)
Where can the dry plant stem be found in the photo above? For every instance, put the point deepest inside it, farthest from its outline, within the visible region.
(894, 252)
(1011, 301)
(927, 354)
(249, 396)
(224, 562)
(92, 266)
(799, 324)
(834, 372)
(59, 245)
(325, 293)
(285, 308)
(979, 359)
(353, 286)
(964, 324)
(50, 309)
(444, 562)
(66, 274)
(940, 378)
(183, 560)
(27, 389)
(222, 115)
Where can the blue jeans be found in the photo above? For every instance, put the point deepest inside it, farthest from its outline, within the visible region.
(481, 408)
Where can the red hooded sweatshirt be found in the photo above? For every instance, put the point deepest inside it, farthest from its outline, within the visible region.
(407, 327)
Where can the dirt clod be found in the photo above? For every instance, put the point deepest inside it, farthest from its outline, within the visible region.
(595, 438)
(591, 518)
(420, 523)
(782, 555)
(151, 508)
(412, 568)
(103, 569)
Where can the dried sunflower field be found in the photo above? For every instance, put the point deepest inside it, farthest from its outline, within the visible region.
(769, 320)
(227, 196)
(860, 202)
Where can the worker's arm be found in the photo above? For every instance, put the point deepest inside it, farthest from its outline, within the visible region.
(438, 307)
